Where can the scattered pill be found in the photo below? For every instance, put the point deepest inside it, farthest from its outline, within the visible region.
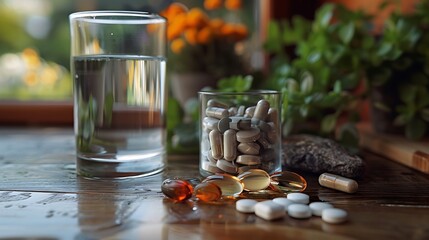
(229, 185)
(318, 207)
(334, 215)
(177, 189)
(300, 211)
(216, 144)
(207, 192)
(269, 210)
(255, 179)
(299, 198)
(283, 201)
(287, 181)
(229, 145)
(246, 205)
(338, 183)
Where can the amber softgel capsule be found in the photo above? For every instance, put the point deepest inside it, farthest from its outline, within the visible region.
(177, 189)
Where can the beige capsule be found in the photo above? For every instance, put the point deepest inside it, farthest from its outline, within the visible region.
(339, 183)
(232, 111)
(210, 123)
(216, 103)
(273, 116)
(216, 144)
(216, 112)
(210, 167)
(240, 123)
(261, 111)
(249, 112)
(229, 145)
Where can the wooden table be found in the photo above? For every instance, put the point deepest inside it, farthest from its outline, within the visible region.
(41, 198)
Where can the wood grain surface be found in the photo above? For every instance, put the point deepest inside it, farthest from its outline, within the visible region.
(41, 198)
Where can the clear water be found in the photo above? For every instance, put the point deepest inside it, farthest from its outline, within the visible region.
(119, 115)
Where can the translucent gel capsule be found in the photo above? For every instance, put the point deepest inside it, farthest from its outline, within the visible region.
(177, 189)
(229, 185)
(207, 192)
(255, 179)
(288, 182)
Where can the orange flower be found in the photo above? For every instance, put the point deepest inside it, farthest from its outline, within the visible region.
(191, 36)
(177, 45)
(227, 30)
(216, 25)
(176, 26)
(196, 18)
(173, 10)
(204, 35)
(212, 4)
(240, 32)
(232, 4)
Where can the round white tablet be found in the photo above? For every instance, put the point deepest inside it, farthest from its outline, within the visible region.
(299, 198)
(297, 210)
(334, 215)
(318, 207)
(283, 201)
(246, 205)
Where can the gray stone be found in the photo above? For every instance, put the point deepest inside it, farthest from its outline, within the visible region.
(318, 155)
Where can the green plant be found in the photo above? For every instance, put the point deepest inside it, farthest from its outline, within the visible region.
(319, 83)
(400, 63)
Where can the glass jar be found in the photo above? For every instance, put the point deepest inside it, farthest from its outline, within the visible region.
(240, 131)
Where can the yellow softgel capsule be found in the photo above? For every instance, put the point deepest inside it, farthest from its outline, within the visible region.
(228, 184)
(288, 182)
(255, 179)
(207, 192)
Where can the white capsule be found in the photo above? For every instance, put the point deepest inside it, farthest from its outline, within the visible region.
(269, 210)
(229, 145)
(283, 201)
(209, 167)
(216, 144)
(216, 103)
(299, 198)
(299, 211)
(246, 205)
(249, 112)
(232, 111)
(240, 111)
(210, 123)
(261, 111)
(273, 116)
(318, 207)
(216, 112)
(339, 183)
(334, 215)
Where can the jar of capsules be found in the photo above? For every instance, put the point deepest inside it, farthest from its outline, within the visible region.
(240, 131)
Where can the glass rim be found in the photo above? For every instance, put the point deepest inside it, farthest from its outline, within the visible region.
(250, 92)
(117, 17)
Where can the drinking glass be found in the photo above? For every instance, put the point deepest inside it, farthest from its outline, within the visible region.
(118, 66)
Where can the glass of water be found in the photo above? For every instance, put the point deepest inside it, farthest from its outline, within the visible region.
(118, 67)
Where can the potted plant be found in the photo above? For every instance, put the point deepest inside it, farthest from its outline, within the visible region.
(203, 46)
(321, 82)
(398, 73)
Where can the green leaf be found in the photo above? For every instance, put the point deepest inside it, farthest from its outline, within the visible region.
(235, 83)
(346, 32)
(381, 106)
(328, 123)
(307, 83)
(415, 129)
(349, 137)
(324, 15)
